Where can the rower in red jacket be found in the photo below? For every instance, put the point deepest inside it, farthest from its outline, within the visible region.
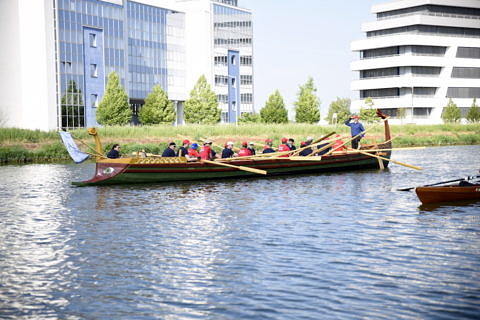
(338, 142)
(206, 151)
(283, 147)
(268, 146)
(244, 151)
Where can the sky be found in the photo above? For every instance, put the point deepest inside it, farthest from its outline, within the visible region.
(295, 40)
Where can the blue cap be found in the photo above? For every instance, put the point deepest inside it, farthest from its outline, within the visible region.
(194, 146)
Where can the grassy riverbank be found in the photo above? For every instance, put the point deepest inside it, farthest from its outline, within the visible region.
(22, 146)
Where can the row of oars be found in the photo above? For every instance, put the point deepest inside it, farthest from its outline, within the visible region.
(292, 154)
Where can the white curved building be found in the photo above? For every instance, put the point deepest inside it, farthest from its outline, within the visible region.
(417, 55)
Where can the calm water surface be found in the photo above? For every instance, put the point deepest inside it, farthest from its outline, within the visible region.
(328, 246)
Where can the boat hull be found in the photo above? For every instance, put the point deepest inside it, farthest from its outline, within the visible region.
(137, 170)
(447, 193)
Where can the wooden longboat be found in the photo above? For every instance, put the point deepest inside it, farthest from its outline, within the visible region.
(159, 169)
(449, 193)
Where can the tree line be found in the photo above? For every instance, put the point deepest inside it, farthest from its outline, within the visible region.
(202, 107)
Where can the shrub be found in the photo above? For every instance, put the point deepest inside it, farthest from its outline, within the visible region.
(157, 108)
(341, 108)
(274, 110)
(307, 104)
(114, 109)
(451, 113)
(248, 117)
(202, 106)
(473, 114)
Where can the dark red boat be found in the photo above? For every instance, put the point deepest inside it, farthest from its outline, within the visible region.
(448, 193)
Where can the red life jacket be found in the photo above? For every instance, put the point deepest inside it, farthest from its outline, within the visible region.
(337, 144)
(283, 147)
(244, 152)
(193, 153)
(205, 153)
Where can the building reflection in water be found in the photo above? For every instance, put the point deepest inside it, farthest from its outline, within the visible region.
(34, 241)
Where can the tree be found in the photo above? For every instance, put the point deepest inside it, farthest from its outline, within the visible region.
(473, 114)
(157, 108)
(274, 110)
(451, 113)
(401, 113)
(341, 109)
(248, 117)
(114, 108)
(73, 110)
(306, 106)
(202, 107)
(368, 114)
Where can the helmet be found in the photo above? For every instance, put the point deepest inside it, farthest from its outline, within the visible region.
(194, 146)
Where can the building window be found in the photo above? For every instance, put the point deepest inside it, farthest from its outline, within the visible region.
(246, 80)
(424, 91)
(428, 50)
(233, 60)
(381, 52)
(221, 80)
(94, 100)
(93, 70)
(222, 98)
(93, 40)
(246, 98)
(467, 73)
(421, 112)
(234, 106)
(246, 60)
(224, 117)
(379, 73)
(380, 93)
(233, 82)
(463, 92)
(468, 52)
(220, 60)
(426, 71)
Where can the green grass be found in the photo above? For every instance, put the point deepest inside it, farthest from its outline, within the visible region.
(20, 145)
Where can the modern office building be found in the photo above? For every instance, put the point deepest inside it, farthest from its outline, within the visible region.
(417, 55)
(54, 72)
(219, 44)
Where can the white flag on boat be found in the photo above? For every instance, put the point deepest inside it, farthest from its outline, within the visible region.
(77, 155)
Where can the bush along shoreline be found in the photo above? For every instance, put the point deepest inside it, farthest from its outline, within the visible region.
(19, 146)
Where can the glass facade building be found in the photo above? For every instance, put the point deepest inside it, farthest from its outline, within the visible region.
(99, 37)
(232, 41)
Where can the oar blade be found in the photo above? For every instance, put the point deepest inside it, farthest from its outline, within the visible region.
(257, 171)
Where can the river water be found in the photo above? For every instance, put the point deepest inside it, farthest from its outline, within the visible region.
(327, 246)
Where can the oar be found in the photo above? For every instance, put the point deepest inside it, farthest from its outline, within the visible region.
(296, 152)
(386, 159)
(349, 140)
(257, 171)
(380, 150)
(280, 153)
(321, 149)
(438, 183)
(292, 158)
